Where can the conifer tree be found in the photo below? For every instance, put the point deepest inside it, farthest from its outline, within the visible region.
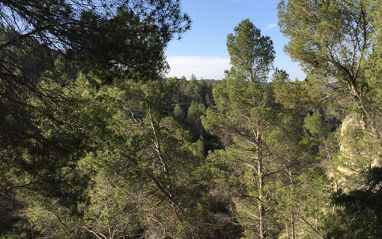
(245, 114)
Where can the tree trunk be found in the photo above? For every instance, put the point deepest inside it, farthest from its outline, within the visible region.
(260, 169)
(292, 208)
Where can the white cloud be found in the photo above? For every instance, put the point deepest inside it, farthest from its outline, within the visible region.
(271, 26)
(206, 67)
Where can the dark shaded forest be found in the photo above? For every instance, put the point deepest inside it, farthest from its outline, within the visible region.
(96, 143)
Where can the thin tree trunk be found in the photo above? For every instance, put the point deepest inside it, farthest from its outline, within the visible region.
(292, 224)
(260, 172)
(292, 209)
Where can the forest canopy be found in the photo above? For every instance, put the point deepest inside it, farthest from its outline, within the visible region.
(96, 143)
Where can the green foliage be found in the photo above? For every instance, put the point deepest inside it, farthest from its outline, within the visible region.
(161, 165)
(251, 53)
(191, 98)
(358, 212)
(303, 204)
(330, 39)
(302, 94)
(110, 38)
(251, 125)
(316, 125)
(179, 113)
(50, 118)
(147, 157)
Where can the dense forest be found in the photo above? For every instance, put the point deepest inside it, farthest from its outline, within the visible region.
(96, 143)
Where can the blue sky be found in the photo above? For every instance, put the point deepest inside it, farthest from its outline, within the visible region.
(202, 50)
